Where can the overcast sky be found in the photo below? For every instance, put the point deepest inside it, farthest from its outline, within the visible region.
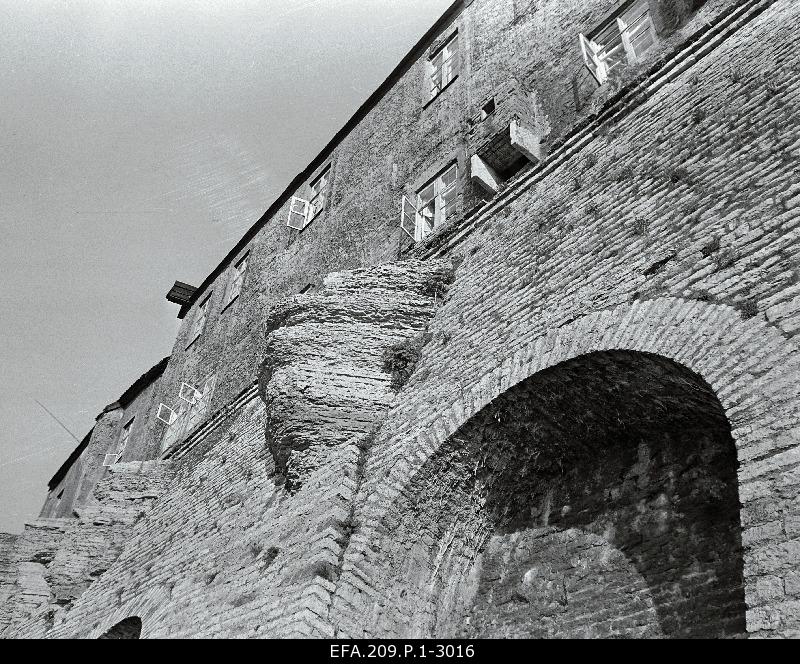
(139, 139)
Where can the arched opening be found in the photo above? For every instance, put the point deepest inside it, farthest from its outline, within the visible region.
(130, 628)
(598, 498)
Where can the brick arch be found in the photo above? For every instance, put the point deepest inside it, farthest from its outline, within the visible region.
(127, 628)
(149, 608)
(753, 371)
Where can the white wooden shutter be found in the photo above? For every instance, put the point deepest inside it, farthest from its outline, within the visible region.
(638, 37)
(189, 393)
(591, 56)
(298, 213)
(408, 217)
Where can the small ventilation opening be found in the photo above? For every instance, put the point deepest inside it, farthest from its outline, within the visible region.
(488, 109)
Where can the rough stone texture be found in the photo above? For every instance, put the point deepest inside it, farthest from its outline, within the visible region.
(57, 559)
(518, 52)
(552, 272)
(8, 570)
(663, 225)
(130, 628)
(596, 498)
(250, 539)
(323, 379)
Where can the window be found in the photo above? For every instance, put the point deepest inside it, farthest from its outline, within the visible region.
(434, 205)
(188, 413)
(302, 211)
(124, 436)
(200, 317)
(319, 189)
(487, 109)
(235, 286)
(626, 39)
(444, 66)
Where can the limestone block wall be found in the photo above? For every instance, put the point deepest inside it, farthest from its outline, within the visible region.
(667, 226)
(247, 538)
(55, 560)
(7, 566)
(670, 229)
(401, 143)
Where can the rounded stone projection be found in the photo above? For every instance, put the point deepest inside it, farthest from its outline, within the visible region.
(596, 498)
(129, 628)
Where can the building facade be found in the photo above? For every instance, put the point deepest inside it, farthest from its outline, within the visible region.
(515, 355)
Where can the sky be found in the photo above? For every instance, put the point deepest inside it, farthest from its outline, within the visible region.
(139, 139)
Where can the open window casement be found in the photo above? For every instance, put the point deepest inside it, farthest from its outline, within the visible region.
(319, 191)
(433, 206)
(189, 393)
(198, 409)
(408, 217)
(592, 56)
(189, 412)
(299, 210)
(166, 414)
(237, 279)
(200, 319)
(444, 66)
(418, 222)
(638, 34)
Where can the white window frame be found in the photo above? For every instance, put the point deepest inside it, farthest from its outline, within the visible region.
(600, 59)
(165, 414)
(301, 211)
(639, 24)
(433, 202)
(444, 65)
(298, 213)
(188, 414)
(200, 318)
(237, 279)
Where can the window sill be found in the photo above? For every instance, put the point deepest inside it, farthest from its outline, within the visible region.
(439, 94)
(192, 342)
(229, 303)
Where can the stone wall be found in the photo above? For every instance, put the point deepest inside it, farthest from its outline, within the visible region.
(248, 538)
(56, 560)
(518, 52)
(668, 229)
(665, 227)
(597, 498)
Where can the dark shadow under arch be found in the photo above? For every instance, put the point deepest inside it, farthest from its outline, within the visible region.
(129, 628)
(599, 497)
